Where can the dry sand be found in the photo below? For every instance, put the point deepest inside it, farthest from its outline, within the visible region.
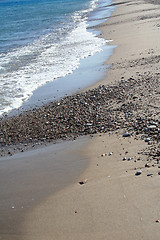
(113, 203)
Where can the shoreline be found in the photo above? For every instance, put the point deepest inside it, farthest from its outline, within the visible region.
(86, 207)
(115, 203)
(89, 71)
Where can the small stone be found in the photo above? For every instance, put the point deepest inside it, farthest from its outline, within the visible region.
(149, 174)
(129, 159)
(83, 182)
(147, 165)
(110, 153)
(138, 173)
(157, 221)
(126, 134)
(124, 158)
(104, 154)
(147, 139)
(9, 153)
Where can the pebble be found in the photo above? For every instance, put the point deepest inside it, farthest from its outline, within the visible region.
(149, 174)
(147, 165)
(157, 221)
(88, 113)
(126, 134)
(104, 154)
(138, 173)
(83, 182)
(147, 139)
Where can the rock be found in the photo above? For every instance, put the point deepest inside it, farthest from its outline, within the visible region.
(83, 182)
(9, 153)
(147, 165)
(157, 221)
(126, 134)
(149, 174)
(138, 173)
(124, 158)
(147, 139)
(104, 154)
(153, 123)
(151, 127)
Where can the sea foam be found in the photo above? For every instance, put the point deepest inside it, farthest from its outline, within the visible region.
(51, 56)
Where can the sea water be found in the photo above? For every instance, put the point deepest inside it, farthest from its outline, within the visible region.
(45, 40)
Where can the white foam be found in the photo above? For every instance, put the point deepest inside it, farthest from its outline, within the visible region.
(29, 67)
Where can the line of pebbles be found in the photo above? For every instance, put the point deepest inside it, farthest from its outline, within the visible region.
(132, 105)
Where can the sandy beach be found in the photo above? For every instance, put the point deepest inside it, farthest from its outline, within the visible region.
(115, 195)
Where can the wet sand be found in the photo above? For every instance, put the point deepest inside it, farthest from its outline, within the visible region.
(28, 178)
(113, 202)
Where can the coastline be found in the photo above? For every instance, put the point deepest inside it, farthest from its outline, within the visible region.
(88, 71)
(114, 203)
(86, 207)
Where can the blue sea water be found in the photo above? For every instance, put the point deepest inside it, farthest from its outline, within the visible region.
(44, 40)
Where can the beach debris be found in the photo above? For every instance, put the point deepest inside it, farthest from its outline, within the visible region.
(126, 134)
(124, 158)
(138, 173)
(129, 159)
(110, 153)
(83, 182)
